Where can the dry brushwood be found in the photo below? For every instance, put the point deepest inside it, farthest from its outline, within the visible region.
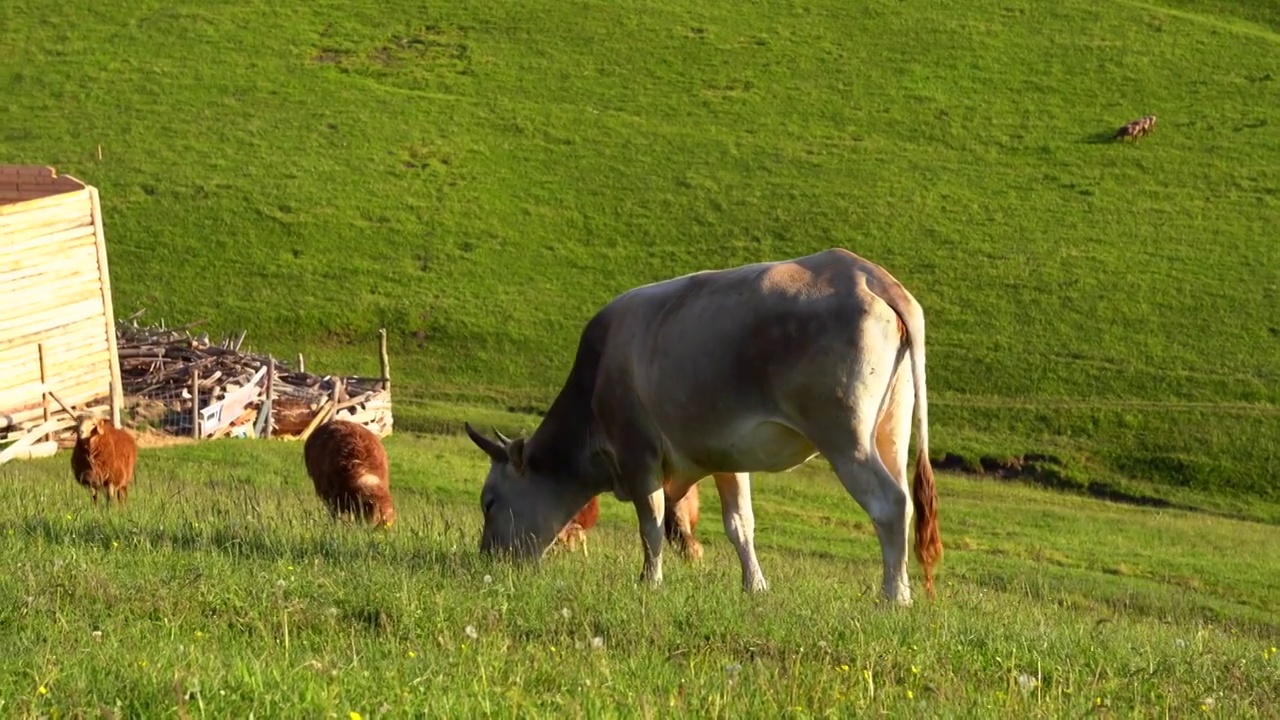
(158, 365)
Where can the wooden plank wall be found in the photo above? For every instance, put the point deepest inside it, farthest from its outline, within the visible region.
(52, 293)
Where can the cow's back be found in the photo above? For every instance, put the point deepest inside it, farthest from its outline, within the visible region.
(714, 351)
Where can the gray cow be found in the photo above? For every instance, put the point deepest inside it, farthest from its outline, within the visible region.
(752, 369)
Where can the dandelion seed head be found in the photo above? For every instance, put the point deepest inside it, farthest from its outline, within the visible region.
(470, 631)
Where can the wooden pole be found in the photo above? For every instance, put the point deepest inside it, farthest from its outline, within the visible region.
(269, 406)
(195, 405)
(302, 364)
(58, 400)
(385, 359)
(108, 312)
(44, 383)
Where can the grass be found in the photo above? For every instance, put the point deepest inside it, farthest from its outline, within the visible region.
(223, 591)
(480, 176)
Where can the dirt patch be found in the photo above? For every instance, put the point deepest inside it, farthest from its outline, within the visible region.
(329, 56)
(1047, 471)
(154, 439)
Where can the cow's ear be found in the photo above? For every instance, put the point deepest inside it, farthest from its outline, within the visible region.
(515, 455)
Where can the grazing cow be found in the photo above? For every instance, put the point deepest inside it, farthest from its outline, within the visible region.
(1137, 129)
(726, 372)
(348, 467)
(103, 458)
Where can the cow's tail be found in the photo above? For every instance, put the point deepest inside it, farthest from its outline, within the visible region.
(924, 494)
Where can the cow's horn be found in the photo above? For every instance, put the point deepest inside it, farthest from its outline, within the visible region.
(501, 438)
(496, 452)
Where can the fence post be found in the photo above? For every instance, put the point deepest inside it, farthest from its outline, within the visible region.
(44, 386)
(269, 406)
(386, 361)
(195, 404)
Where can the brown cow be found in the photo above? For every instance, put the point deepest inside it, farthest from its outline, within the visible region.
(348, 467)
(752, 369)
(104, 458)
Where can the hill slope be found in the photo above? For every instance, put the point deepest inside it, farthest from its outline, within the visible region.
(480, 178)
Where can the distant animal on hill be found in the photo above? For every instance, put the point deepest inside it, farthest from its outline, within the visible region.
(348, 467)
(103, 458)
(1137, 129)
(757, 368)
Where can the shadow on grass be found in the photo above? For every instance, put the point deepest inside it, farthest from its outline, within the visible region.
(1101, 137)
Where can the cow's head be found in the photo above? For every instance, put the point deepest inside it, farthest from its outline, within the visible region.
(521, 512)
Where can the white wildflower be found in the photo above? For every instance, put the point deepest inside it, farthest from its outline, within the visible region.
(471, 632)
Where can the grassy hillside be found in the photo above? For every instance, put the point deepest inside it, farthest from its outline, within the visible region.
(480, 176)
(222, 591)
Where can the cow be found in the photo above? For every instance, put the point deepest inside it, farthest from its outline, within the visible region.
(722, 373)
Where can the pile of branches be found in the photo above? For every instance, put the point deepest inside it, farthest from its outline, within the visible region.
(162, 368)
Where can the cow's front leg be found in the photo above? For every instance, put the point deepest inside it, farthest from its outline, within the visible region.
(650, 509)
(740, 526)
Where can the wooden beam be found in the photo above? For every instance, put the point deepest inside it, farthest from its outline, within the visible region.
(108, 310)
(39, 431)
(44, 380)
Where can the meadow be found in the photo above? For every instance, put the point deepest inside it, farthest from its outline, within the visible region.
(224, 591)
(480, 176)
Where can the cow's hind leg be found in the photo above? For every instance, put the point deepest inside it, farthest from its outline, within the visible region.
(740, 526)
(848, 440)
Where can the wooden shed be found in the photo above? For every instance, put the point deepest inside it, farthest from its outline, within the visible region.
(57, 330)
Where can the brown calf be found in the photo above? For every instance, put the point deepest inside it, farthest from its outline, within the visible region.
(103, 458)
(348, 467)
